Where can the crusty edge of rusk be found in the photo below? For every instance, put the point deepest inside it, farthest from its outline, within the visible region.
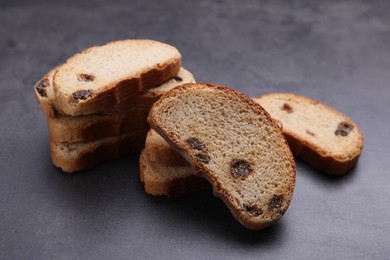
(92, 129)
(44, 102)
(118, 91)
(173, 188)
(198, 169)
(313, 157)
(104, 152)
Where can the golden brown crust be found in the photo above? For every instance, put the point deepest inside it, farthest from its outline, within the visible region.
(83, 156)
(314, 157)
(93, 127)
(160, 152)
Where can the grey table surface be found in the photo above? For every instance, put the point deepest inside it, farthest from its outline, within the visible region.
(337, 52)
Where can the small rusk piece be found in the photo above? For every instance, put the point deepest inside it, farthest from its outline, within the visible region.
(164, 172)
(318, 134)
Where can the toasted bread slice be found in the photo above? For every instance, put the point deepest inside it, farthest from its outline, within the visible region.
(73, 157)
(231, 141)
(73, 129)
(323, 137)
(165, 180)
(104, 76)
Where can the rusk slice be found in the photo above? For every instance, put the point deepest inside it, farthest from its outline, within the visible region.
(73, 157)
(231, 141)
(323, 137)
(165, 172)
(119, 120)
(45, 95)
(103, 76)
(161, 152)
(93, 127)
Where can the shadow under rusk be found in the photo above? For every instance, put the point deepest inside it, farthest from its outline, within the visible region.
(101, 200)
(93, 195)
(206, 214)
(319, 177)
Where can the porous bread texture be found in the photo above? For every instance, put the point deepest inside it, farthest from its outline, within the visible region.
(121, 119)
(45, 95)
(103, 76)
(232, 141)
(74, 157)
(311, 129)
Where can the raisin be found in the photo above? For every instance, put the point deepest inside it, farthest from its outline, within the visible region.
(41, 87)
(82, 94)
(240, 168)
(178, 79)
(204, 158)
(310, 133)
(275, 204)
(343, 129)
(85, 77)
(196, 144)
(253, 210)
(287, 107)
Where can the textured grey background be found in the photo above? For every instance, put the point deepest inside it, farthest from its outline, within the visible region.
(335, 51)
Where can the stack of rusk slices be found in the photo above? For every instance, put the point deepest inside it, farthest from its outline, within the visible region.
(101, 103)
(97, 102)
